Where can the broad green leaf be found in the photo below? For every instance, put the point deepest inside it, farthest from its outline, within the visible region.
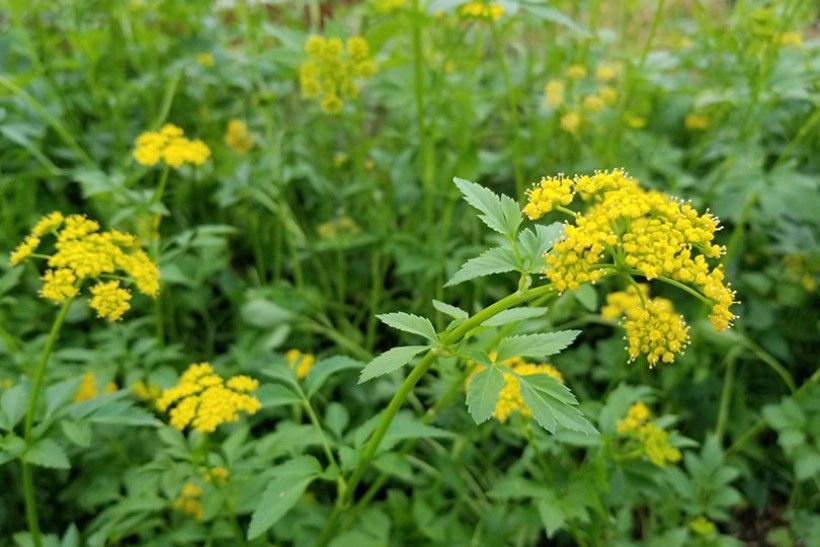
(453, 311)
(483, 392)
(273, 395)
(551, 404)
(78, 432)
(512, 315)
(408, 322)
(552, 517)
(290, 481)
(389, 361)
(13, 403)
(325, 368)
(59, 394)
(500, 213)
(587, 296)
(407, 426)
(264, 313)
(492, 261)
(535, 345)
(47, 453)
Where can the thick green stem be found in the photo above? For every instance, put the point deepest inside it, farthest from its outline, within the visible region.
(34, 396)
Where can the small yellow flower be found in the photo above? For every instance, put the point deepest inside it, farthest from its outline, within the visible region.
(791, 39)
(59, 285)
(24, 250)
(480, 10)
(605, 72)
(237, 137)
(594, 103)
(654, 441)
(570, 122)
(301, 363)
(188, 501)
(546, 194)
(697, 122)
(170, 146)
(109, 300)
(146, 391)
(216, 474)
(205, 59)
(333, 70)
(576, 72)
(47, 224)
(87, 388)
(554, 93)
(203, 400)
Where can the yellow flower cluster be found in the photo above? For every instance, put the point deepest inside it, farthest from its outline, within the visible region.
(481, 10)
(388, 5)
(652, 326)
(644, 232)
(88, 388)
(216, 474)
(342, 226)
(170, 146)
(237, 137)
(790, 39)
(546, 194)
(82, 252)
(146, 391)
(801, 271)
(697, 122)
(299, 362)
(510, 400)
(654, 441)
(189, 502)
(204, 400)
(578, 104)
(331, 71)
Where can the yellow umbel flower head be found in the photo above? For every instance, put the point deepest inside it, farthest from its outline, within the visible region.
(635, 232)
(188, 502)
(554, 93)
(652, 439)
(88, 388)
(480, 10)
(82, 252)
(203, 400)
(576, 72)
(510, 399)
(299, 362)
(169, 145)
(237, 137)
(333, 70)
(570, 122)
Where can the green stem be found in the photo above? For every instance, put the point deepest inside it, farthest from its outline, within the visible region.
(726, 393)
(773, 363)
(34, 396)
(512, 103)
(155, 249)
(447, 338)
(425, 149)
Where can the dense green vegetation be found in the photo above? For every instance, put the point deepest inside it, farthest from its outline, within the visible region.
(409, 272)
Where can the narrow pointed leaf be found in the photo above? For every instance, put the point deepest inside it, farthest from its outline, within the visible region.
(389, 361)
(483, 392)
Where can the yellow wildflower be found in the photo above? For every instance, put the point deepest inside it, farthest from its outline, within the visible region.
(146, 391)
(47, 224)
(204, 400)
(634, 121)
(58, 285)
(340, 227)
(332, 70)
(216, 474)
(576, 72)
(510, 400)
(481, 10)
(554, 93)
(594, 103)
(545, 195)
(109, 300)
(570, 121)
(389, 5)
(170, 146)
(237, 137)
(188, 501)
(605, 72)
(87, 388)
(301, 363)
(24, 250)
(654, 441)
(696, 121)
(608, 94)
(791, 39)
(205, 59)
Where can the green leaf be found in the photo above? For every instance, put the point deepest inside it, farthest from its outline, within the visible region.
(47, 453)
(553, 15)
(535, 345)
(59, 394)
(408, 322)
(264, 313)
(552, 517)
(325, 368)
(512, 315)
(389, 361)
(483, 392)
(535, 244)
(452, 311)
(273, 395)
(492, 261)
(587, 296)
(290, 481)
(551, 404)
(501, 214)
(13, 403)
(78, 432)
